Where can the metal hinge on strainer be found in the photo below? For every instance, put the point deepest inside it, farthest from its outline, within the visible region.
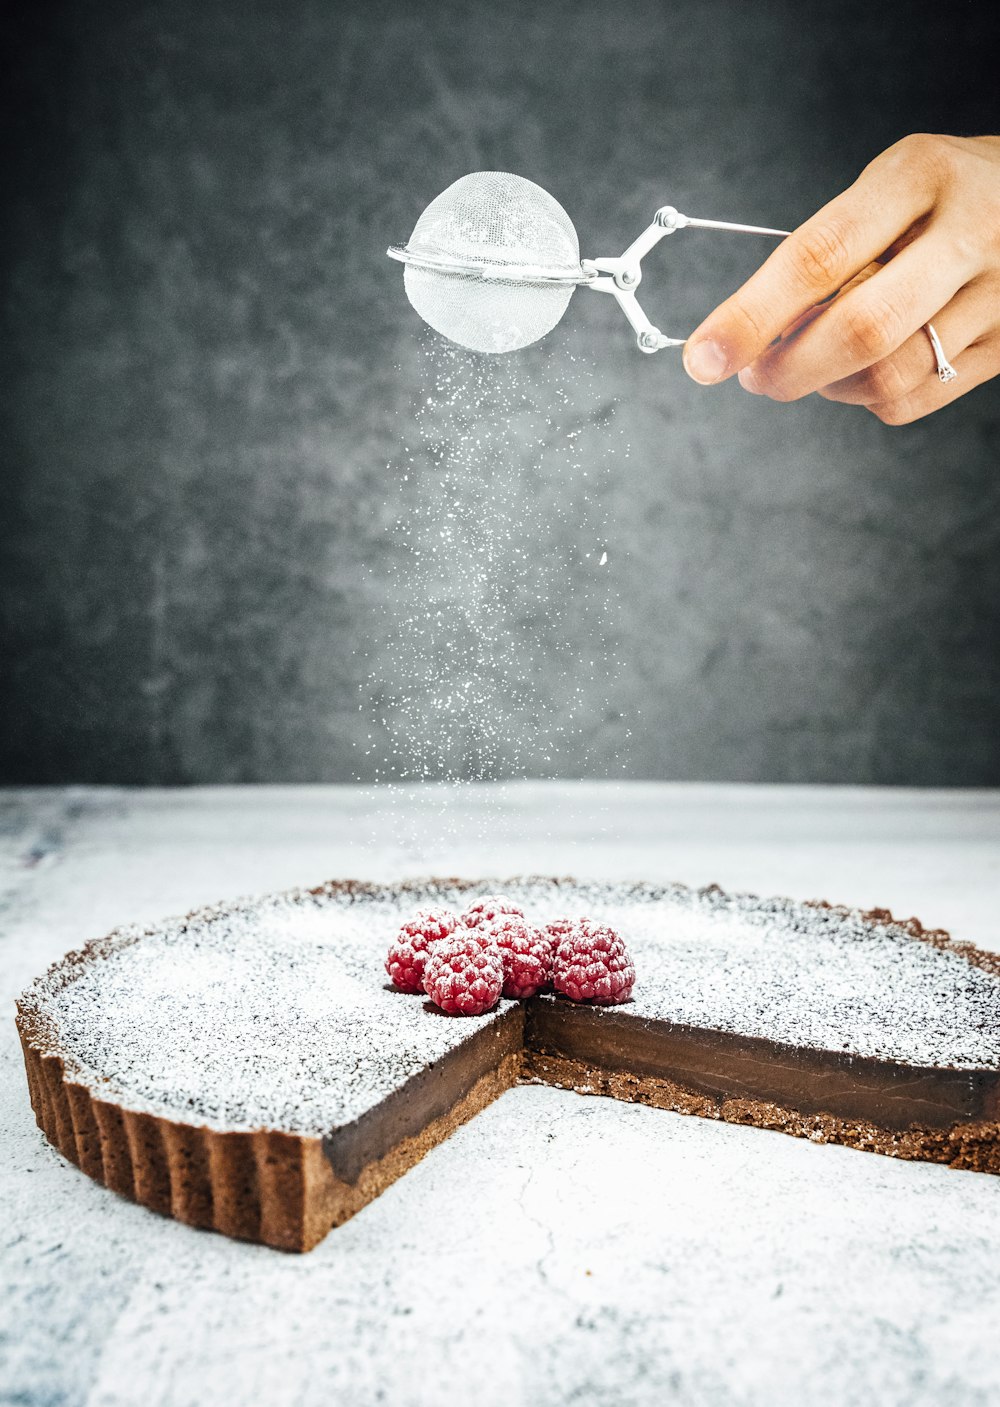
(493, 261)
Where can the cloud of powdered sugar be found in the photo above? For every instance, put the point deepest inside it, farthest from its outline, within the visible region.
(493, 652)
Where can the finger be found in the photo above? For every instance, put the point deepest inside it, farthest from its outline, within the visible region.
(811, 314)
(813, 262)
(864, 325)
(962, 322)
(975, 365)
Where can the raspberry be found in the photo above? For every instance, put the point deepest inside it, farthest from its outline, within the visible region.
(463, 976)
(408, 952)
(482, 936)
(487, 909)
(526, 954)
(591, 963)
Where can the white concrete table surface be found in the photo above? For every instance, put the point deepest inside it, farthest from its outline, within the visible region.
(557, 1249)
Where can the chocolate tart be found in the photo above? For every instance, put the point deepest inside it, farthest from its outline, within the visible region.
(249, 1069)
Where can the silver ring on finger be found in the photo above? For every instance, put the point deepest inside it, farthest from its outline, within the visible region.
(946, 372)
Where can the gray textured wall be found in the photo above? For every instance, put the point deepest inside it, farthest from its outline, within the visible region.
(211, 367)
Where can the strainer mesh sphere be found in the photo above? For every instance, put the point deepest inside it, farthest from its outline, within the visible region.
(520, 236)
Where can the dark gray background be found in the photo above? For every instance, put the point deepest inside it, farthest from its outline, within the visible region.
(210, 366)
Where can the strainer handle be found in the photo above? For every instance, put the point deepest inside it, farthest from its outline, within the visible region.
(690, 223)
(621, 277)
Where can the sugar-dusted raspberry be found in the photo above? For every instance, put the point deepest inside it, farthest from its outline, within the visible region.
(558, 928)
(526, 954)
(485, 910)
(408, 952)
(591, 964)
(464, 975)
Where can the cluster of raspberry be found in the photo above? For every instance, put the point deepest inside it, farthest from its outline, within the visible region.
(466, 962)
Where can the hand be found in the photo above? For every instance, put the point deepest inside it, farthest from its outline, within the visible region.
(915, 239)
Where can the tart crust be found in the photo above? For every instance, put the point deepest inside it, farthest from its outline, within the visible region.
(276, 1188)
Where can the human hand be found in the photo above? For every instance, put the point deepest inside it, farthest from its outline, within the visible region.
(915, 239)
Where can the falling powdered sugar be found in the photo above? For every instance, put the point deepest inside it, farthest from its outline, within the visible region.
(494, 635)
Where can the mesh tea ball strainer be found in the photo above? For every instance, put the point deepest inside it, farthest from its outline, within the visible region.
(493, 261)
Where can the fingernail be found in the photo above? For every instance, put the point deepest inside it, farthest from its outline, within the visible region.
(748, 380)
(705, 362)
